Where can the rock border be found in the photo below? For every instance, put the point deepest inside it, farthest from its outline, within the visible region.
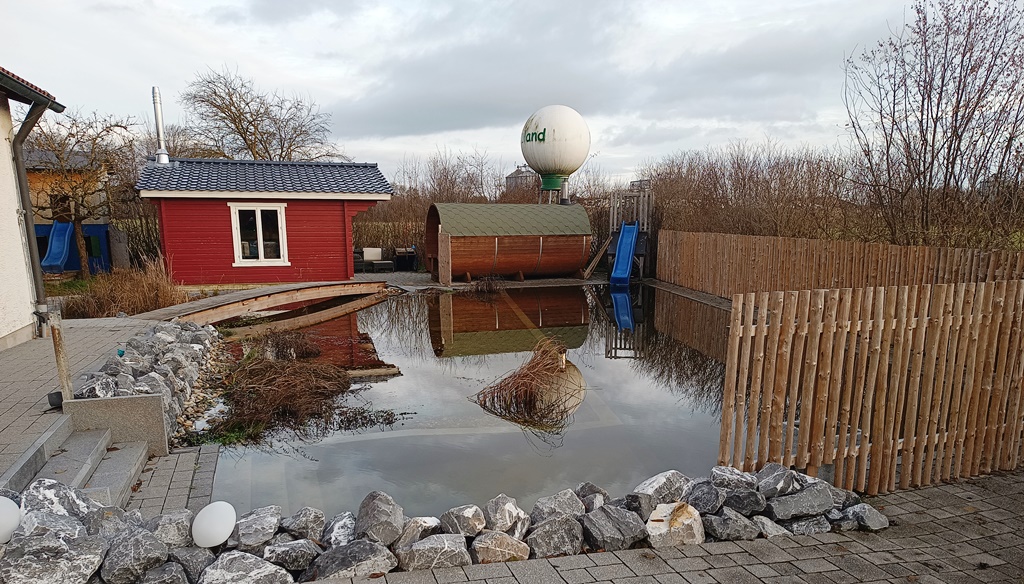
(64, 532)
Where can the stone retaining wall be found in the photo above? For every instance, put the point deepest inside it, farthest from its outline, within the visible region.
(164, 360)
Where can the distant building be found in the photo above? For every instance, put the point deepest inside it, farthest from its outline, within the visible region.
(523, 177)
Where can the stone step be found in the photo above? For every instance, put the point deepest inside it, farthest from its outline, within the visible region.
(77, 458)
(116, 474)
(32, 460)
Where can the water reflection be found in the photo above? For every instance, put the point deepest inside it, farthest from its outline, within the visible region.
(509, 321)
(651, 404)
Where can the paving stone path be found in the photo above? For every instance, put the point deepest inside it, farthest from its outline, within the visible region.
(182, 480)
(28, 372)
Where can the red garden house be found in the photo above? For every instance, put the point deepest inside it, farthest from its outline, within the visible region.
(245, 221)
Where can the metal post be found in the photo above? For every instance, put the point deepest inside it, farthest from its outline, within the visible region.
(60, 352)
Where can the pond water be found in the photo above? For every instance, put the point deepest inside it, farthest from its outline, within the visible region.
(651, 402)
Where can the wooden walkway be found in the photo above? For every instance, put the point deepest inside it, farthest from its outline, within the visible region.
(212, 302)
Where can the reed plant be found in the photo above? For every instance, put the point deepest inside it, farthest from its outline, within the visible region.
(131, 291)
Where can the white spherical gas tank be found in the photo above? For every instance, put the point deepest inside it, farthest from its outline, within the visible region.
(555, 143)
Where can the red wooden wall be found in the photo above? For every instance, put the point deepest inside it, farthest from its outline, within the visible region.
(196, 237)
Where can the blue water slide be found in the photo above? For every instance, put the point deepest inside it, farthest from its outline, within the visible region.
(624, 254)
(58, 247)
(622, 306)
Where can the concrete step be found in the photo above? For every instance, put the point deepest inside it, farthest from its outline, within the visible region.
(24, 469)
(77, 458)
(116, 474)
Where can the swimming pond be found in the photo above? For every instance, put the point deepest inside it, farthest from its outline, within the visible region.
(645, 400)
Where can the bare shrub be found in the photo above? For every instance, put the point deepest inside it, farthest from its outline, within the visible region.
(131, 291)
(540, 396)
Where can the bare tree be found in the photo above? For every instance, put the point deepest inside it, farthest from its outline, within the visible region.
(235, 119)
(72, 156)
(936, 114)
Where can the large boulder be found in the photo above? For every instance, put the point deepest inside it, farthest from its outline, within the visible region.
(131, 554)
(746, 501)
(173, 528)
(254, 529)
(36, 523)
(666, 487)
(840, 521)
(807, 525)
(444, 550)
(768, 527)
(563, 502)
(642, 504)
(53, 497)
(774, 480)
(47, 559)
(593, 501)
(502, 513)
(728, 477)
(293, 555)
(728, 525)
(379, 519)
(306, 523)
(340, 530)
(234, 567)
(560, 535)
(355, 559)
(192, 559)
(169, 573)
(705, 497)
(106, 521)
(497, 546)
(586, 489)
(612, 529)
(843, 499)
(465, 520)
(814, 499)
(674, 524)
(867, 517)
(99, 385)
(416, 529)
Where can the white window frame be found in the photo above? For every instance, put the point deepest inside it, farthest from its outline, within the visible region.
(236, 234)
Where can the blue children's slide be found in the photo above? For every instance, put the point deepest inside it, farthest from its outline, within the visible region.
(58, 247)
(624, 255)
(622, 306)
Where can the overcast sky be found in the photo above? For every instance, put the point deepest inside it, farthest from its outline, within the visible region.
(407, 78)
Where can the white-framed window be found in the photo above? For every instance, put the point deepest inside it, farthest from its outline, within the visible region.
(259, 234)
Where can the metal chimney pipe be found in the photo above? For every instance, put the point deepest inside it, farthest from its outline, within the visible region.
(161, 153)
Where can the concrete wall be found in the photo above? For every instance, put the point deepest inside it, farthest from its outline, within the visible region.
(16, 320)
(130, 418)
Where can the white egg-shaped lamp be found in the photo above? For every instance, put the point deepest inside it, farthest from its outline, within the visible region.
(555, 143)
(10, 519)
(213, 524)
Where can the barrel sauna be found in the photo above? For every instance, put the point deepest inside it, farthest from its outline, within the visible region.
(467, 240)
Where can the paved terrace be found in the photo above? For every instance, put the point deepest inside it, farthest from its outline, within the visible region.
(28, 372)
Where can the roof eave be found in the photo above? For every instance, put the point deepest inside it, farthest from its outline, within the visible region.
(24, 94)
(161, 194)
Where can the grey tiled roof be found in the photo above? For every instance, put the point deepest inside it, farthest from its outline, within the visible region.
(471, 219)
(199, 174)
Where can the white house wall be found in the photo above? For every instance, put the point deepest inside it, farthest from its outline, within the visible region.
(16, 319)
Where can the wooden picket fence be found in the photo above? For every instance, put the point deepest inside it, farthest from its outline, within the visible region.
(894, 386)
(725, 264)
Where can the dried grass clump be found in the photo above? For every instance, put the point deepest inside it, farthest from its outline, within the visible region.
(525, 396)
(274, 387)
(485, 287)
(130, 291)
(284, 345)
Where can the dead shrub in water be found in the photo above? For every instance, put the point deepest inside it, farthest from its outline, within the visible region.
(266, 395)
(485, 286)
(539, 396)
(282, 345)
(131, 291)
